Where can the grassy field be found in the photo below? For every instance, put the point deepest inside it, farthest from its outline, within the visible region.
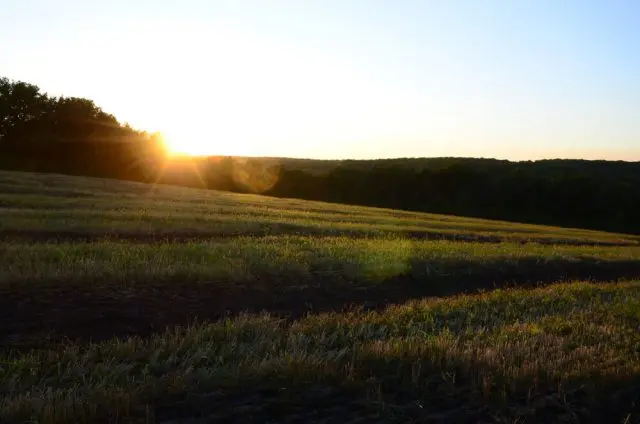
(124, 302)
(58, 207)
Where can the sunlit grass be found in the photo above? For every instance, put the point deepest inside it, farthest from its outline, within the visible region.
(283, 258)
(93, 206)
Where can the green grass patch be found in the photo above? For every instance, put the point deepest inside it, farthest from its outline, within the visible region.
(286, 258)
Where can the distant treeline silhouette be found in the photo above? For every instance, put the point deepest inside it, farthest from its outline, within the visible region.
(73, 136)
(574, 193)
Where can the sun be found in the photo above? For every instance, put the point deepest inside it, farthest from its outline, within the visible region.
(225, 139)
(186, 143)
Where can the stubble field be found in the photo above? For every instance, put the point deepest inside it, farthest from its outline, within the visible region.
(125, 302)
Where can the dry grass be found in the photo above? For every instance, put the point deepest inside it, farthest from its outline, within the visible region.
(31, 203)
(84, 258)
(507, 354)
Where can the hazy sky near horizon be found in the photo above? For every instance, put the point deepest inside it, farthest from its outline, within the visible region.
(346, 78)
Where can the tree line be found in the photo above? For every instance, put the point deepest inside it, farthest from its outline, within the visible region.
(70, 135)
(602, 195)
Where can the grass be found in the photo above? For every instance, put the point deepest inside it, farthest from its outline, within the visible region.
(123, 302)
(294, 259)
(64, 206)
(504, 356)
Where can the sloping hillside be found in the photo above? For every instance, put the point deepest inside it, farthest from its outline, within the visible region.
(140, 303)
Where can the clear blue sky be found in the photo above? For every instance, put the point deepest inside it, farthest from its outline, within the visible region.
(346, 78)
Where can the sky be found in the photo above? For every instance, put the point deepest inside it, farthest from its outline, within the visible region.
(520, 80)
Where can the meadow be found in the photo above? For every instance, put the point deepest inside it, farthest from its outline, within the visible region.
(128, 302)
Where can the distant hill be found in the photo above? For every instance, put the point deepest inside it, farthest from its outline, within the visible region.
(75, 136)
(600, 195)
(323, 166)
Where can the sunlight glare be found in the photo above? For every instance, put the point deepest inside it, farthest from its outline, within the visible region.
(266, 99)
(185, 139)
(186, 143)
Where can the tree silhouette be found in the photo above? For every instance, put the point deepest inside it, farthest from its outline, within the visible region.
(20, 104)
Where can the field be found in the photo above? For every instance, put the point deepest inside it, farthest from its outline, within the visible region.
(132, 303)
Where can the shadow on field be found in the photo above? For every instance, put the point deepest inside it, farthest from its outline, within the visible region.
(388, 388)
(29, 315)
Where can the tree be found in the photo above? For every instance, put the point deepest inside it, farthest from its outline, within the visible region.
(79, 119)
(20, 104)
